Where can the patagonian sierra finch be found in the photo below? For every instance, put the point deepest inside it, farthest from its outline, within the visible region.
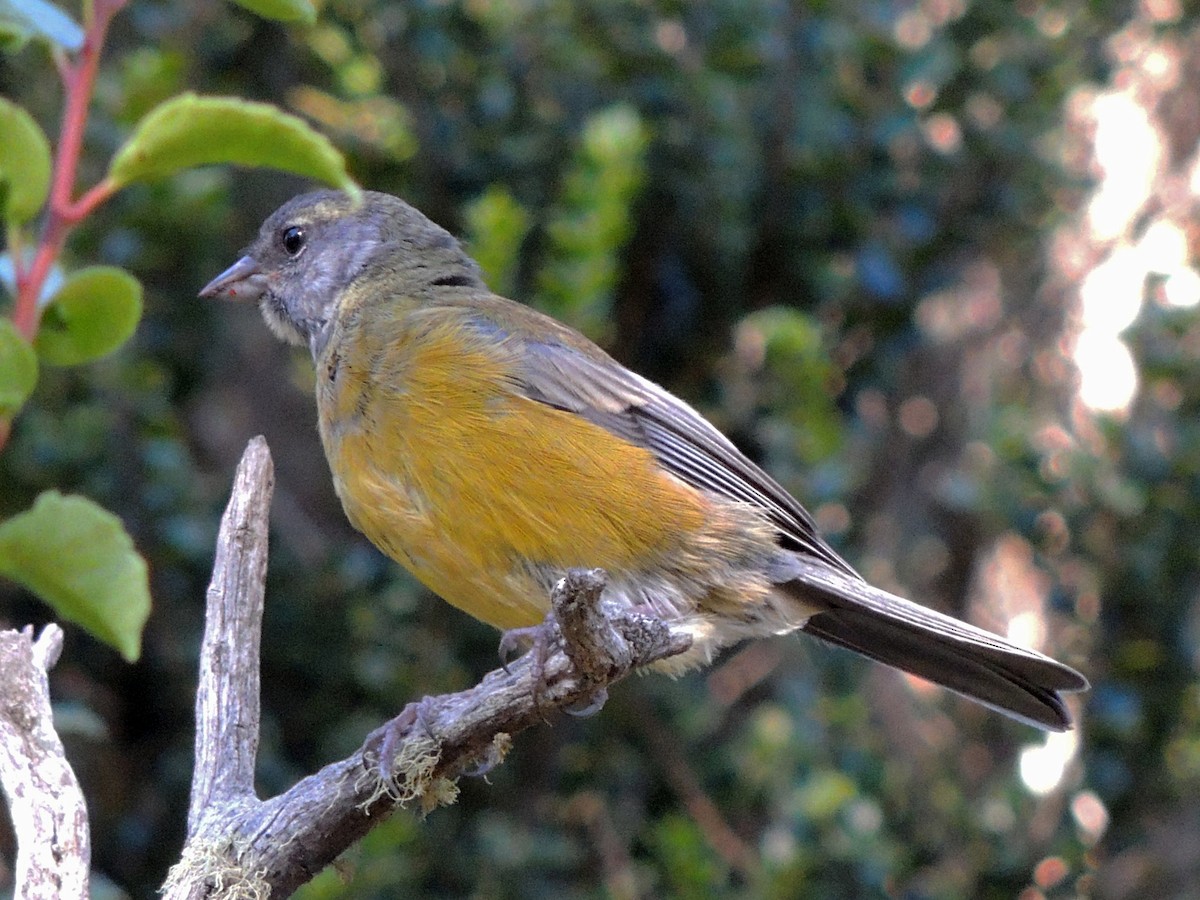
(489, 449)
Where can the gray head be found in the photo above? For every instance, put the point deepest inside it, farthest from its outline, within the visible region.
(316, 245)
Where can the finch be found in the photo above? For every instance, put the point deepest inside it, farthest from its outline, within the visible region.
(488, 449)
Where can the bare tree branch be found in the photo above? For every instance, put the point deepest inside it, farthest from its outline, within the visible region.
(227, 698)
(239, 846)
(47, 807)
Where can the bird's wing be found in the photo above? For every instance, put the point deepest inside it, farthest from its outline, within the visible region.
(576, 377)
(560, 369)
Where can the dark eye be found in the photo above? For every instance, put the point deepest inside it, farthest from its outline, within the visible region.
(293, 239)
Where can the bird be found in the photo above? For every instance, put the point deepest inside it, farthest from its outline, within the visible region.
(489, 449)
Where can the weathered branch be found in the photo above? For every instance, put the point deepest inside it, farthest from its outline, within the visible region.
(227, 697)
(48, 812)
(240, 846)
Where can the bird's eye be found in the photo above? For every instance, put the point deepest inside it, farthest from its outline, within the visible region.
(293, 239)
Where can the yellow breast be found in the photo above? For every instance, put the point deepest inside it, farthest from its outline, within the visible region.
(474, 487)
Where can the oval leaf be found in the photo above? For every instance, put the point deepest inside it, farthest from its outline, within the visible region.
(188, 131)
(23, 19)
(79, 559)
(24, 164)
(18, 369)
(281, 10)
(93, 314)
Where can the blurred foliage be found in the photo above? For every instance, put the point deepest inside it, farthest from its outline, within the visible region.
(592, 220)
(827, 227)
(496, 226)
(70, 552)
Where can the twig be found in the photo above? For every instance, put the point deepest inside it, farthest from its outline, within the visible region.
(48, 812)
(687, 786)
(63, 213)
(610, 846)
(239, 846)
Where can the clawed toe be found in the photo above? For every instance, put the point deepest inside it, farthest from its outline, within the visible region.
(384, 740)
(540, 639)
(515, 642)
(588, 706)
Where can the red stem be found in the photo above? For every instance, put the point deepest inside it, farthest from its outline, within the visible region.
(63, 213)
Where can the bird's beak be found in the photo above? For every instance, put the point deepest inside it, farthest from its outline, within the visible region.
(241, 281)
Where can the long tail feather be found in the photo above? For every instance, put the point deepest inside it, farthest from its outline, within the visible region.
(979, 665)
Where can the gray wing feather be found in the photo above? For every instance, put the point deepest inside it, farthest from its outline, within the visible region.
(686, 444)
(1019, 682)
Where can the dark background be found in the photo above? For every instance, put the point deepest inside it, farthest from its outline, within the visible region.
(853, 234)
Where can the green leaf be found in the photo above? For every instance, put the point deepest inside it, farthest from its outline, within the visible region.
(24, 164)
(281, 10)
(189, 130)
(21, 20)
(93, 314)
(79, 559)
(18, 369)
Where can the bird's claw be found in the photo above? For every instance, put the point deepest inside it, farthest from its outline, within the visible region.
(515, 642)
(588, 706)
(540, 640)
(385, 739)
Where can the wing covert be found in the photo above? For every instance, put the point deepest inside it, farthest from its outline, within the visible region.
(581, 379)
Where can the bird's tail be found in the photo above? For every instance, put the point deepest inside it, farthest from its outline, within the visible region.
(979, 665)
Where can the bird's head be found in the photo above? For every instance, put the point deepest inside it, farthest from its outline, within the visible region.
(315, 246)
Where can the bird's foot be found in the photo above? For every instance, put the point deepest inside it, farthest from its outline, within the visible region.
(538, 641)
(385, 740)
(516, 642)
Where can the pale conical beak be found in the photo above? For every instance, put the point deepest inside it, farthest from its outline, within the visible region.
(241, 281)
